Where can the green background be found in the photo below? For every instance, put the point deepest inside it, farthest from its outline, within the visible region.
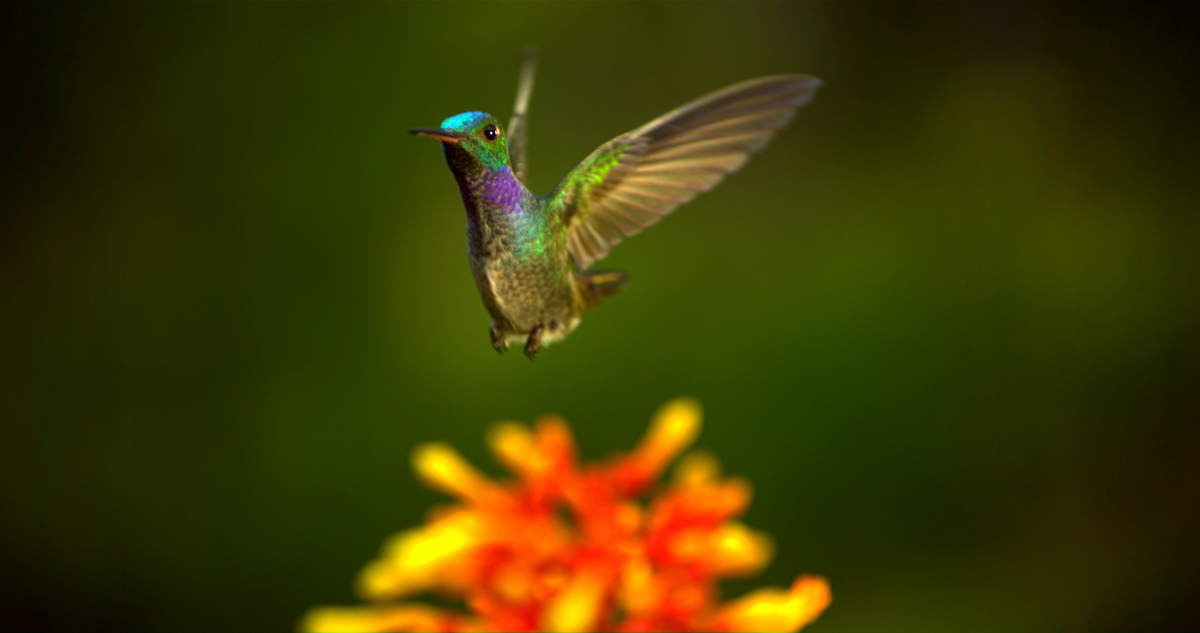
(946, 323)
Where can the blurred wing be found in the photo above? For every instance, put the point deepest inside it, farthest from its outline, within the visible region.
(633, 180)
(516, 127)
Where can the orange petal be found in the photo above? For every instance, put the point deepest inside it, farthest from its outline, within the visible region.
(718, 501)
(638, 591)
(555, 441)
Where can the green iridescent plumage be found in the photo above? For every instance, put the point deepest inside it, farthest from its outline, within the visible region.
(521, 246)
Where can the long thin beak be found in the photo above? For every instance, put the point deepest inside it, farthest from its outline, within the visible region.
(443, 135)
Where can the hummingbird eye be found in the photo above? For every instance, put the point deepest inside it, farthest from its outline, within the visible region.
(490, 132)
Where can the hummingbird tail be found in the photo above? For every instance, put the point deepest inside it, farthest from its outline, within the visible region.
(598, 284)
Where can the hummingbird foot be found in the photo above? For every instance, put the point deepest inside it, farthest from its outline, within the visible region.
(533, 343)
(498, 340)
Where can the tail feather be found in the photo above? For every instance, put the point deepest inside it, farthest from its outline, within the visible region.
(598, 284)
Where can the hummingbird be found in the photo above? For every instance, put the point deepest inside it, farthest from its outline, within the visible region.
(531, 255)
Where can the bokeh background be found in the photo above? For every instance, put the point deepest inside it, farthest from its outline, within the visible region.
(946, 322)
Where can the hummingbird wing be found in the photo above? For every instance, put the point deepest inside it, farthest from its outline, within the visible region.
(516, 126)
(633, 180)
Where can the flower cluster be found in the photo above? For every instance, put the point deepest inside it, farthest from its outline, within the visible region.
(565, 548)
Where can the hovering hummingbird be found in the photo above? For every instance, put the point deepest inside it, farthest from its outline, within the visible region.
(520, 244)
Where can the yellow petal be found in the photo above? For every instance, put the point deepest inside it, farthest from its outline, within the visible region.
(674, 428)
(443, 468)
(577, 606)
(776, 610)
(417, 559)
(737, 550)
(368, 619)
(513, 445)
(696, 468)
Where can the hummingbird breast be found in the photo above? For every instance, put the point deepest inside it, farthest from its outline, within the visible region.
(520, 268)
(522, 296)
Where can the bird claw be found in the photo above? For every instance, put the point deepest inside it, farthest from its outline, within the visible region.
(533, 343)
(498, 340)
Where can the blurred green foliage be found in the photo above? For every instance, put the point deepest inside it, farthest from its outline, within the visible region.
(946, 323)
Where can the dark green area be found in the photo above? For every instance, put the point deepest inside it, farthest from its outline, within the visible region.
(946, 323)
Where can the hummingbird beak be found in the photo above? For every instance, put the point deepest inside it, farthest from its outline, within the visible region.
(443, 135)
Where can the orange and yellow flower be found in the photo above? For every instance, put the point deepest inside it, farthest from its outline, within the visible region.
(565, 548)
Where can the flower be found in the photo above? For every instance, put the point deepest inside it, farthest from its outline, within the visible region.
(565, 548)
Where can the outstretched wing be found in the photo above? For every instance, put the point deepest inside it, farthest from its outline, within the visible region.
(516, 127)
(635, 179)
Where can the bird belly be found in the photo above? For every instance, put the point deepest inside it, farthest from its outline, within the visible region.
(524, 296)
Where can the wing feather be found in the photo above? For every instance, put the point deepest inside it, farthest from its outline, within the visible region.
(632, 181)
(517, 125)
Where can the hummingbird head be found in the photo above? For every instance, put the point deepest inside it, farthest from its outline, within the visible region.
(471, 141)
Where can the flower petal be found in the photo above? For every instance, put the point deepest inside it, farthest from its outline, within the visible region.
(370, 619)
(736, 550)
(775, 610)
(443, 468)
(572, 548)
(577, 606)
(419, 559)
(674, 428)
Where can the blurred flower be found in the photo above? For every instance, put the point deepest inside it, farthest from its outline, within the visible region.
(564, 548)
